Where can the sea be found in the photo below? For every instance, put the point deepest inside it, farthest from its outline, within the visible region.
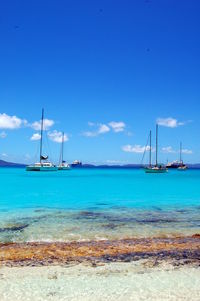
(96, 204)
(99, 234)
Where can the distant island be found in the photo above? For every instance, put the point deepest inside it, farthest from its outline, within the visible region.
(10, 164)
(128, 166)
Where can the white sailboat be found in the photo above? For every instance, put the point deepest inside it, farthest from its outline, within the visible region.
(63, 165)
(43, 164)
(182, 165)
(157, 168)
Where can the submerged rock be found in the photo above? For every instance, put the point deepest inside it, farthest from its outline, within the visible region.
(110, 226)
(157, 220)
(90, 214)
(17, 227)
(39, 210)
(157, 208)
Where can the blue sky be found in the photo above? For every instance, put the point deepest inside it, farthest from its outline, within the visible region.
(104, 71)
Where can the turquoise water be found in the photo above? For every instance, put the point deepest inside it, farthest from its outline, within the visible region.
(97, 204)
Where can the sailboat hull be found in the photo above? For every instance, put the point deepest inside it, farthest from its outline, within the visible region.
(182, 168)
(155, 170)
(64, 168)
(41, 168)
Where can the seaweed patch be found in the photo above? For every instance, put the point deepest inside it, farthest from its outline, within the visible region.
(179, 250)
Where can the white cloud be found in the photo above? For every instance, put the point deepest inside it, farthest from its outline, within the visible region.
(114, 162)
(90, 134)
(57, 136)
(3, 135)
(91, 123)
(103, 128)
(47, 124)
(169, 122)
(168, 150)
(11, 122)
(117, 126)
(35, 137)
(187, 151)
(129, 134)
(135, 148)
(4, 155)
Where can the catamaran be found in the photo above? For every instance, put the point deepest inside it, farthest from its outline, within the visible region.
(43, 164)
(157, 168)
(63, 165)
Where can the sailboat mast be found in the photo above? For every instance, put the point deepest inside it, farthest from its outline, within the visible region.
(41, 135)
(62, 148)
(150, 151)
(180, 152)
(156, 144)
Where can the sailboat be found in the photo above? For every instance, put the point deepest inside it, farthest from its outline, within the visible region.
(43, 164)
(182, 165)
(157, 168)
(63, 165)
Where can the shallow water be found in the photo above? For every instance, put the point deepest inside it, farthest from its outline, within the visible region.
(87, 204)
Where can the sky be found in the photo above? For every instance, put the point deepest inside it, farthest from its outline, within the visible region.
(105, 72)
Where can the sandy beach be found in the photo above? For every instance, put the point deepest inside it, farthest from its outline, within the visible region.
(132, 269)
(113, 281)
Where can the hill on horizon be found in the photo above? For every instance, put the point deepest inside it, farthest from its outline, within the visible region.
(10, 164)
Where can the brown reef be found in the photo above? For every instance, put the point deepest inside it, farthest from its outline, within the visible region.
(180, 250)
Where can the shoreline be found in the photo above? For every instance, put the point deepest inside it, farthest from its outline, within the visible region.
(177, 250)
